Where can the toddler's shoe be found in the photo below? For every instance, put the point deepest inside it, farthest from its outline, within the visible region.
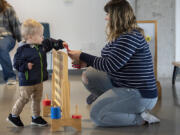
(11, 81)
(39, 121)
(15, 121)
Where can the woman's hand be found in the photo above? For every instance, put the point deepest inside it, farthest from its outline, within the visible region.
(78, 64)
(74, 55)
(83, 64)
(30, 65)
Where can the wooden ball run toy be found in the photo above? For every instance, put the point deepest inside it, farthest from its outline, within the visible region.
(61, 95)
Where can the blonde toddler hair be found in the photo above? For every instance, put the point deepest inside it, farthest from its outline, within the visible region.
(29, 28)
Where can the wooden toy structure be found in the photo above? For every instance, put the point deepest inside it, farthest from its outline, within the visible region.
(46, 107)
(61, 93)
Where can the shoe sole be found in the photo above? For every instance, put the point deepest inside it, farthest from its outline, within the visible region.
(7, 119)
(11, 83)
(40, 125)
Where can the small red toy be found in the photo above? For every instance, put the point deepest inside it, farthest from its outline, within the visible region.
(76, 66)
(76, 115)
(67, 48)
(46, 102)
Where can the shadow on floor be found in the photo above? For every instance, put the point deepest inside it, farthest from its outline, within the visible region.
(1, 78)
(176, 95)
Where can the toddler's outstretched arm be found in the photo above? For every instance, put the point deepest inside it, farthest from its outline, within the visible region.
(51, 43)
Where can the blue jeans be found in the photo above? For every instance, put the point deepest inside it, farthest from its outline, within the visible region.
(114, 106)
(6, 45)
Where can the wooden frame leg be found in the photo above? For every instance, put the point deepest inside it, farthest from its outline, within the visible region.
(46, 111)
(159, 89)
(174, 74)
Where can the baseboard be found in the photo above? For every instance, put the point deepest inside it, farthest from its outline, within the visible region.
(71, 71)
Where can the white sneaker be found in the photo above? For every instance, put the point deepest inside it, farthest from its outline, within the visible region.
(149, 118)
(11, 82)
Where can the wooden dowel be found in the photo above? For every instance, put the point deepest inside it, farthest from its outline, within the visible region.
(76, 109)
(46, 96)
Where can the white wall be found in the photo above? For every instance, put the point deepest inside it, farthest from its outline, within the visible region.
(177, 40)
(79, 22)
(164, 12)
(133, 4)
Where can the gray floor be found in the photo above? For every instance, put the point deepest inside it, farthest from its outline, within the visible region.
(167, 109)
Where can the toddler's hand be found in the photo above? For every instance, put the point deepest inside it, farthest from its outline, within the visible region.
(30, 65)
(65, 45)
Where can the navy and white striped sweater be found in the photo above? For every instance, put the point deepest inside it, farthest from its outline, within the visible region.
(128, 62)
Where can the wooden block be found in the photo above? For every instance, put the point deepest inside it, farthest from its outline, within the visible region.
(57, 123)
(159, 90)
(46, 111)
